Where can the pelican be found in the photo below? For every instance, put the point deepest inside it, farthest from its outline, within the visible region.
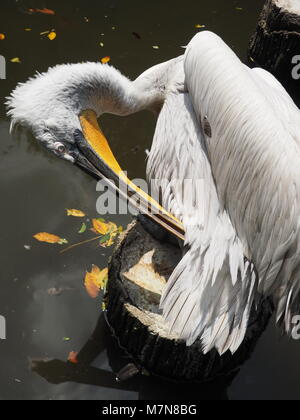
(234, 129)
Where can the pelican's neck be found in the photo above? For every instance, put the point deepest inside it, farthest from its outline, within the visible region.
(104, 89)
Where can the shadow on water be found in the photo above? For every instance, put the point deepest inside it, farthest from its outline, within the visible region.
(150, 388)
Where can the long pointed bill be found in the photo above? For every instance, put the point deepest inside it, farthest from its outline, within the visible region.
(99, 160)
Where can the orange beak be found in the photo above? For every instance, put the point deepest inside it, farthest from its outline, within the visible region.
(96, 150)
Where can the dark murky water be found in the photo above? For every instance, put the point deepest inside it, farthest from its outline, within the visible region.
(35, 190)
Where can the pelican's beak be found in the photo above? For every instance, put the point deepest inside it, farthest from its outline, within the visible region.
(96, 157)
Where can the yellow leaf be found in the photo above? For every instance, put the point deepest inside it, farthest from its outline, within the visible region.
(95, 281)
(52, 35)
(49, 238)
(27, 29)
(75, 213)
(100, 227)
(199, 26)
(105, 60)
(15, 60)
(2, 37)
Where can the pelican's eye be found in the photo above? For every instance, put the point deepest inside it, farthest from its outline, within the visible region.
(60, 148)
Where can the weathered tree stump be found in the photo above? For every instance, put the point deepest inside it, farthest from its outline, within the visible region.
(139, 270)
(275, 46)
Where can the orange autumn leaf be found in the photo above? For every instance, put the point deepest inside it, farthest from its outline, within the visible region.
(75, 213)
(100, 227)
(52, 35)
(95, 281)
(105, 60)
(49, 238)
(45, 11)
(2, 37)
(72, 358)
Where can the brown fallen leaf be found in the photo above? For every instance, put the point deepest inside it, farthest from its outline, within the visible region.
(95, 281)
(72, 357)
(49, 238)
(105, 60)
(75, 213)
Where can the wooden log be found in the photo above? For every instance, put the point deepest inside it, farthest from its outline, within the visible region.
(138, 272)
(275, 46)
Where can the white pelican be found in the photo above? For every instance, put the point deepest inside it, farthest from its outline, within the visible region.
(232, 127)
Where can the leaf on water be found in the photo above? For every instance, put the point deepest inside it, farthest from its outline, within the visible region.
(239, 8)
(136, 35)
(2, 37)
(15, 60)
(72, 357)
(83, 228)
(75, 213)
(95, 281)
(112, 232)
(66, 339)
(27, 29)
(105, 60)
(99, 226)
(52, 35)
(155, 47)
(199, 26)
(45, 11)
(49, 238)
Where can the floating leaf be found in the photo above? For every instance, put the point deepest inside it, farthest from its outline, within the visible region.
(2, 37)
(27, 29)
(112, 231)
(136, 35)
(52, 35)
(105, 60)
(83, 228)
(66, 339)
(156, 47)
(72, 357)
(15, 60)
(99, 226)
(75, 213)
(239, 8)
(199, 26)
(95, 281)
(49, 238)
(45, 11)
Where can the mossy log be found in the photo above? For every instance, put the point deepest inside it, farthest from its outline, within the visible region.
(139, 270)
(275, 46)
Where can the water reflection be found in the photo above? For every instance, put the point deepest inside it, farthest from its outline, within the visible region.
(149, 388)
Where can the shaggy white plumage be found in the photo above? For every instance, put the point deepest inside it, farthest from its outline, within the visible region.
(233, 129)
(292, 6)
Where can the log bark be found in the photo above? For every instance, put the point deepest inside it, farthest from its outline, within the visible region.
(275, 46)
(138, 272)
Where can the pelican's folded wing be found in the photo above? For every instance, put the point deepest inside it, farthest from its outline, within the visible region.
(210, 293)
(254, 151)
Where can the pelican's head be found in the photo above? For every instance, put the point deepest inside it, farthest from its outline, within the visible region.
(61, 108)
(53, 105)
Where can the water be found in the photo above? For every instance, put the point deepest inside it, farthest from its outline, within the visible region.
(36, 188)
